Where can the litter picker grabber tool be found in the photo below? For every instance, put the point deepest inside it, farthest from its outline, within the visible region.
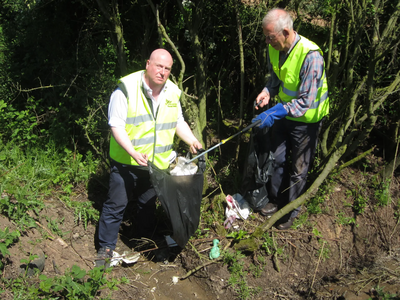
(224, 141)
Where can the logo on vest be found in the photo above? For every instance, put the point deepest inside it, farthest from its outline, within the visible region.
(169, 103)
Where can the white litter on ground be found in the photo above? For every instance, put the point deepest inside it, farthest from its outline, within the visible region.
(237, 208)
(175, 279)
(127, 257)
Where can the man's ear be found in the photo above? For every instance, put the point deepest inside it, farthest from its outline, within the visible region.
(285, 32)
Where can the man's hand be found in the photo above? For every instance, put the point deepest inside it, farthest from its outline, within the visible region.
(262, 99)
(268, 117)
(122, 138)
(195, 146)
(140, 158)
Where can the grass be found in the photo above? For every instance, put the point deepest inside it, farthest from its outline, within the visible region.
(29, 175)
(238, 276)
(74, 284)
(380, 294)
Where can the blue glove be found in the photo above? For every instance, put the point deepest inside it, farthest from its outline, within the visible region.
(269, 116)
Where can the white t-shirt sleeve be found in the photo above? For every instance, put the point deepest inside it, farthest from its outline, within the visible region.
(117, 109)
(181, 119)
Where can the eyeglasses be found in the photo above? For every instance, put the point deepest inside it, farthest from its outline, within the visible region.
(272, 37)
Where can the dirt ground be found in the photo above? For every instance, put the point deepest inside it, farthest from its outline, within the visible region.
(323, 258)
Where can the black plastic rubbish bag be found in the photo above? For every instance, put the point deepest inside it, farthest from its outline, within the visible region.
(257, 169)
(180, 197)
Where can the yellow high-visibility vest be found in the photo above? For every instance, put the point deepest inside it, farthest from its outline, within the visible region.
(289, 75)
(149, 135)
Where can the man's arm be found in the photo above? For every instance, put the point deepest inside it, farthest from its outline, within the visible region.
(184, 132)
(311, 76)
(117, 114)
(121, 137)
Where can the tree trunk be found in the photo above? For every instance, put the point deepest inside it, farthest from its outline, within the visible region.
(240, 37)
(197, 115)
(111, 12)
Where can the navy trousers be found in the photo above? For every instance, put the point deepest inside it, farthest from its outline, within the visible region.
(293, 146)
(127, 181)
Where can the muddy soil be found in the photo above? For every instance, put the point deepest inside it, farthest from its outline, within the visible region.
(336, 254)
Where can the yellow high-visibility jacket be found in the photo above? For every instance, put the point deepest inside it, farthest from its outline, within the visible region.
(149, 135)
(289, 73)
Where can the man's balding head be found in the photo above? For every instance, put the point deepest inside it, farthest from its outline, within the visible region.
(158, 69)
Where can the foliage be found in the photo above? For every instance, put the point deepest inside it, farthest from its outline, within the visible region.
(237, 280)
(84, 212)
(22, 126)
(238, 235)
(51, 80)
(343, 220)
(53, 225)
(7, 238)
(380, 294)
(30, 175)
(323, 252)
(382, 192)
(55, 88)
(268, 245)
(315, 203)
(74, 284)
(359, 200)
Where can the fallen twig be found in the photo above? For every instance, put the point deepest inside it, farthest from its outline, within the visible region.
(201, 266)
(72, 246)
(206, 263)
(305, 233)
(275, 256)
(316, 268)
(50, 234)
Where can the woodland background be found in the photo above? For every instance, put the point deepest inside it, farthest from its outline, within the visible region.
(60, 61)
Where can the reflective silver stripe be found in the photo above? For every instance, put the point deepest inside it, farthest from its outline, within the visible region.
(143, 141)
(139, 119)
(321, 82)
(316, 103)
(166, 126)
(295, 93)
(320, 101)
(162, 149)
(288, 92)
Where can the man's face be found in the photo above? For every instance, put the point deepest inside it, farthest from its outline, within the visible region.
(158, 68)
(275, 38)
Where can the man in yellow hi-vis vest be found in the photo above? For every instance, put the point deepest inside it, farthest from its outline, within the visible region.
(299, 82)
(144, 115)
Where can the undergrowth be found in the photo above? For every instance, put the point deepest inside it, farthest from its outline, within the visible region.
(238, 276)
(29, 175)
(75, 284)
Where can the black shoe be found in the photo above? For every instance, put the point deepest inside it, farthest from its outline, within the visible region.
(269, 209)
(104, 256)
(162, 253)
(286, 225)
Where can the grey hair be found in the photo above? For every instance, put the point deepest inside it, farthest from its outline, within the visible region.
(280, 18)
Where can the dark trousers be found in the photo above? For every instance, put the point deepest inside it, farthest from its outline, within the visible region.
(127, 181)
(293, 146)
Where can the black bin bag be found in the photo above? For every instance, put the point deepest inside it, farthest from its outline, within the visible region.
(180, 197)
(257, 169)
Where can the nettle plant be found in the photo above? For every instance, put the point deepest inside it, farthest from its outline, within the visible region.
(7, 238)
